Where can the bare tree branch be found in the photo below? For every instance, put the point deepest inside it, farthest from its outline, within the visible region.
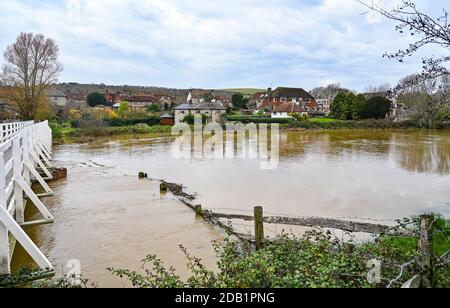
(429, 30)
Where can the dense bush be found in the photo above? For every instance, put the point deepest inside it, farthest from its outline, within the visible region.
(376, 108)
(348, 106)
(362, 124)
(312, 261)
(149, 120)
(96, 99)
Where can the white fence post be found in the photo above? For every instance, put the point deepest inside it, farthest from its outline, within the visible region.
(17, 173)
(4, 238)
(29, 145)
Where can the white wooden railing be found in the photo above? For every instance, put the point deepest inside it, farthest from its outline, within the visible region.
(25, 148)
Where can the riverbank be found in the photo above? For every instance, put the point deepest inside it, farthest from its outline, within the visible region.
(65, 133)
(329, 123)
(68, 134)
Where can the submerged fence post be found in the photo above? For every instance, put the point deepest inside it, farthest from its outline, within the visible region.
(426, 258)
(259, 227)
(198, 210)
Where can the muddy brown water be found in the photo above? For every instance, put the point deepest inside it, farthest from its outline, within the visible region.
(106, 217)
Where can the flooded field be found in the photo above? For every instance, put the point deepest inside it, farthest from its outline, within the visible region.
(106, 217)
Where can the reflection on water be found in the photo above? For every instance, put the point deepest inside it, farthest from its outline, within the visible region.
(106, 217)
(420, 152)
(431, 154)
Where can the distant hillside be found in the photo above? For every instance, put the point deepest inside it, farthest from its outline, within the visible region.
(245, 91)
(179, 94)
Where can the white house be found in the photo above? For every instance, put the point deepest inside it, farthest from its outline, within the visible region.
(283, 111)
(213, 111)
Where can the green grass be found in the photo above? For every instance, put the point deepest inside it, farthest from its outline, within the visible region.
(69, 134)
(325, 120)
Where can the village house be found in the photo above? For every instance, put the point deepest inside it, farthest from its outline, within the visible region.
(283, 101)
(213, 111)
(166, 101)
(139, 102)
(57, 98)
(258, 99)
(323, 106)
(113, 98)
(77, 100)
(221, 100)
(283, 111)
(282, 95)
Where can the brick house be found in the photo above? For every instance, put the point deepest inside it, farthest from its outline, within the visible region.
(257, 100)
(140, 102)
(282, 95)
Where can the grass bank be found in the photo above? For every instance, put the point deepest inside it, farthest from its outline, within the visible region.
(328, 123)
(65, 133)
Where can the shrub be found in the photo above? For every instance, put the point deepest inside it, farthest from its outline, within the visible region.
(299, 117)
(95, 99)
(190, 119)
(75, 114)
(314, 260)
(149, 120)
(124, 107)
(154, 108)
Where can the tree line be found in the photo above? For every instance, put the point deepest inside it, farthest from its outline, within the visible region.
(348, 106)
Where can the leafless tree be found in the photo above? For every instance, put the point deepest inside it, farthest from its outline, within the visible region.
(378, 89)
(427, 30)
(328, 92)
(31, 68)
(426, 98)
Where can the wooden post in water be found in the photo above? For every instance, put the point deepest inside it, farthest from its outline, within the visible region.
(426, 258)
(163, 187)
(259, 227)
(198, 209)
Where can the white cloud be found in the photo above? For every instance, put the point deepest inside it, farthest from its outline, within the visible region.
(210, 44)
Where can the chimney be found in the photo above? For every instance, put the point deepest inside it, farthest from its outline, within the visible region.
(269, 91)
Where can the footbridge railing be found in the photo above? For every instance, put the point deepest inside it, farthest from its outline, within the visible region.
(25, 157)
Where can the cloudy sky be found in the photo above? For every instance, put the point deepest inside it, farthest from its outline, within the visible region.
(217, 44)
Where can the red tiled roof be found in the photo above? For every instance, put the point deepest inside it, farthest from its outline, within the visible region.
(289, 107)
(77, 97)
(259, 95)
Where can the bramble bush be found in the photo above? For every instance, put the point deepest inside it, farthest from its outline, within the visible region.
(314, 260)
(150, 120)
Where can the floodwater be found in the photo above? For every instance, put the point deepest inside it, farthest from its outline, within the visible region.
(107, 217)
